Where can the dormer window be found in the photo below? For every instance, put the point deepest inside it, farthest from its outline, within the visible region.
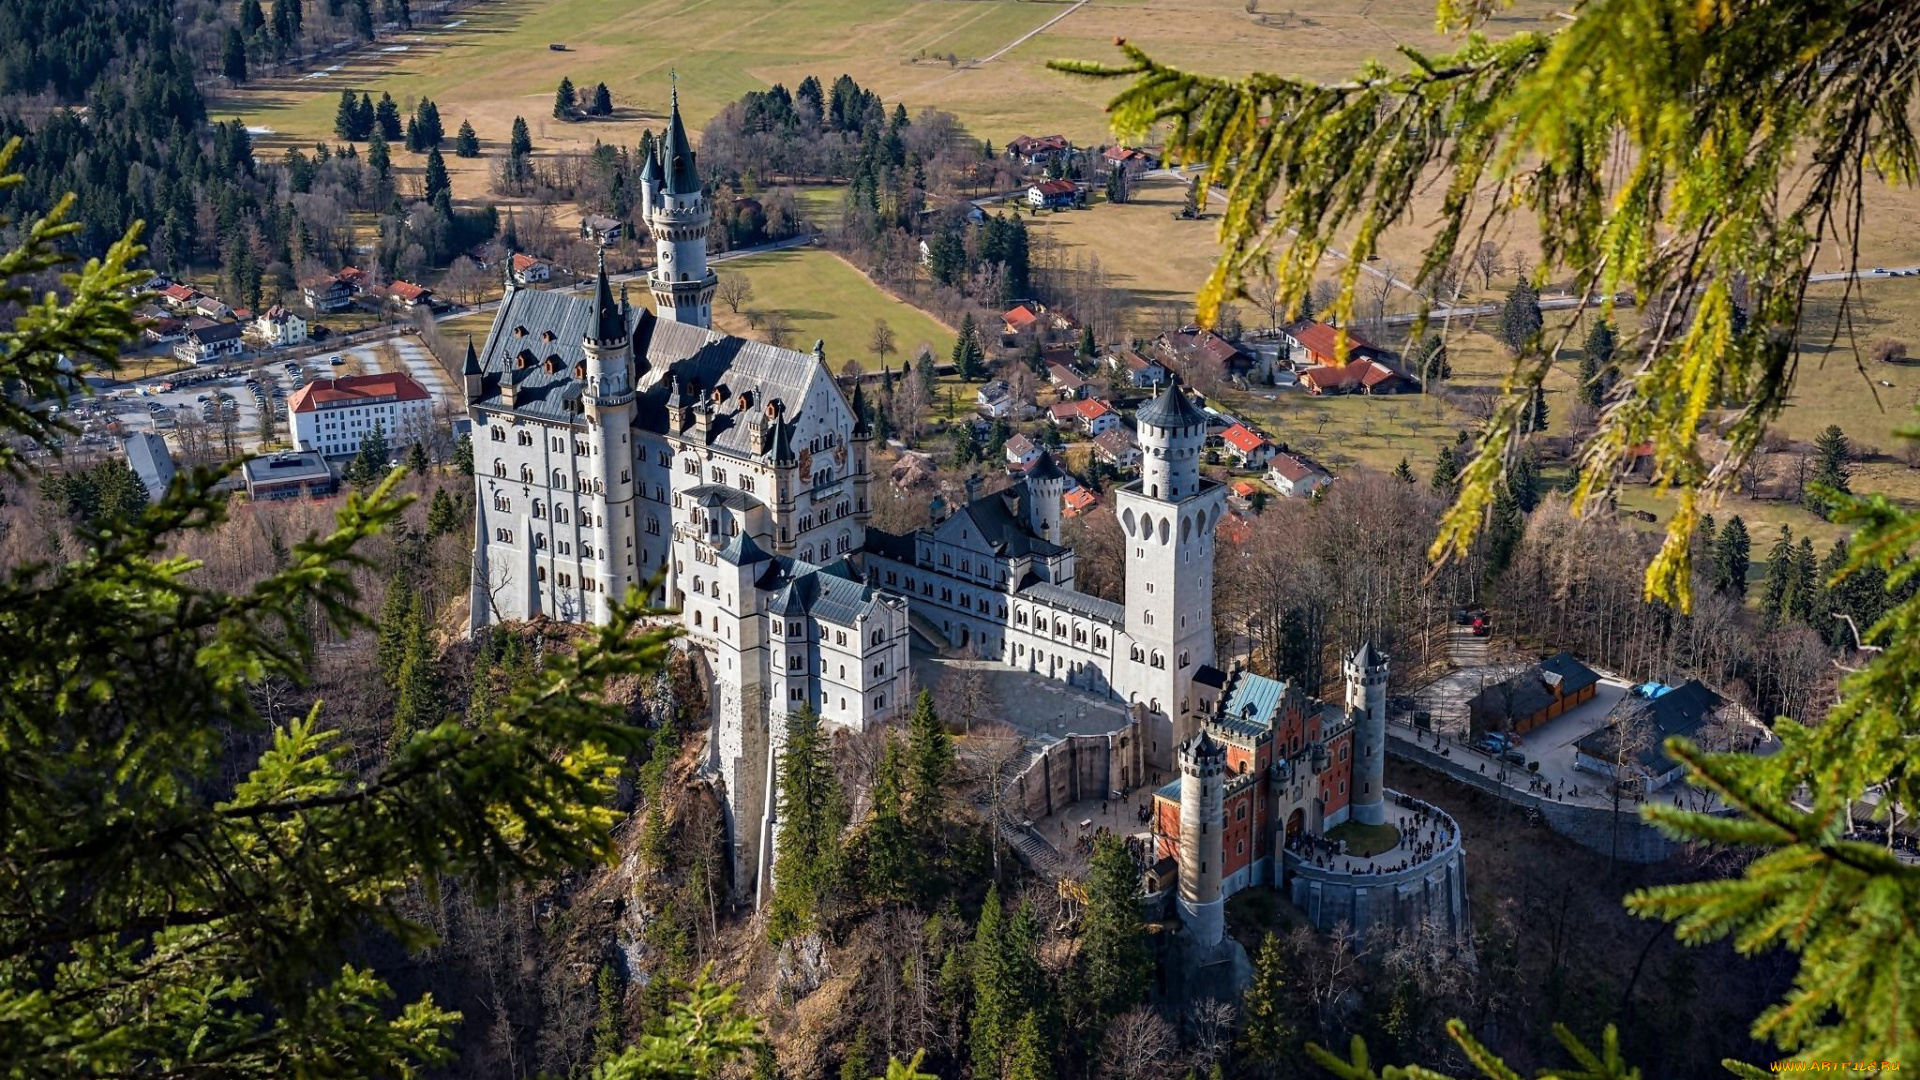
(519, 331)
(524, 360)
(580, 370)
(546, 335)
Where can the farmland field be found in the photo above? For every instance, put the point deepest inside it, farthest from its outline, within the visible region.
(823, 297)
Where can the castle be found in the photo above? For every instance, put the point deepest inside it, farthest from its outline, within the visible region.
(616, 446)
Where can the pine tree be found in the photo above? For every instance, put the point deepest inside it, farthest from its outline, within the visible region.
(1027, 1058)
(1446, 474)
(252, 17)
(417, 463)
(1600, 345)
(1732, 551)
(390, 644)
(1112, 947)
(563, 99)
(466, 144)
(233, 63)
(437, 180)
(1087, 347)
(1524, 481)
(602, 101)
(1267, 1032)
(387, 116)
(378, 159)
(1429, 360)
(346, 119)
(442, 517)
(1504, 532)
(1403, 472)
(1781, 568)
(432, 133)
(890, 846)
(997, 1004)
(1534, 418)
(929, 766)
(422, 702)
(363, 20)
(857, 1062)
(364, 119)
(812, 814)
(968, 359)
(1803, 598)
(413, 135)
(1831, 453)
(521, 143)
(463, 454)
(607, 1039)
(1520, 318)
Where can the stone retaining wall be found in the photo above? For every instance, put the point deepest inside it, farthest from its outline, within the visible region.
(1434, 888)
(1592, 827)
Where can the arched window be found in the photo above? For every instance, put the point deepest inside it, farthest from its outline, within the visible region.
(524, 437)
(526, 474)
(499, 468)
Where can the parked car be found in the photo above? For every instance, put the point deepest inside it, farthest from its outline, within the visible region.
(1513, 757)
(337, 361)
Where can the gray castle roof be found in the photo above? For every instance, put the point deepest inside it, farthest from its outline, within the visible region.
(1077, 602)
(823, 592)
(1002, 518)
(677, 155)
(1172, 409)
(701, 361)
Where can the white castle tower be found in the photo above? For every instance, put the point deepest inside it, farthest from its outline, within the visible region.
(1168, 516)
(1203, 768)
(677, 214)
(1048, 486)
(1366, 672)
(608, 401)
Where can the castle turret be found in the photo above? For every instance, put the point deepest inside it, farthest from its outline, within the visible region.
(678, 215)
(1168, 517)
(607, 399)
(471, 376)
(1046, 491)
(1203, 768)
(1366, 673)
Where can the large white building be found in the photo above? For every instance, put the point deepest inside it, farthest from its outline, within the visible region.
(617, 448)
(332, 416)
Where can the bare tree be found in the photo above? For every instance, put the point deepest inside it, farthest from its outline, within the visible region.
(1486, 259)
(1213, 1022)
(734, 290)
(465, 281)
(777, 330)
(1139, 1044)
(881, 342)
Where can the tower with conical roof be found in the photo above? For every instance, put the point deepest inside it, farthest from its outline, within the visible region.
(1203, 769)
(678, 215)
(1366, 674)
(1168, 517)
(608, 403)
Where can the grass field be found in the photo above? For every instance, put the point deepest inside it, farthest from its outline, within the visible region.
(823, 297)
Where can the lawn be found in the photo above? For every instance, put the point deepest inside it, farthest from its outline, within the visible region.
(1365, 840)
(823, 297)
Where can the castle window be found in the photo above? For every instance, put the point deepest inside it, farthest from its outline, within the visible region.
(500, 502)
(579, 370)
(1020, 618)
(499, 433)
(653, 527)
(691, 467)
(505, 536)
(539, 509)
(542, 572)
(526, 474)
(719, 475)
(540, 541)
(499, 468)
(879, 702)
(839, 637)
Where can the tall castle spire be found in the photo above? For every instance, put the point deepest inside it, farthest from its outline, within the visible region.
(678, 215)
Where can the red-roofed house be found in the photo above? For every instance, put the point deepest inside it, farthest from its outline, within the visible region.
(407, 294)
(180, 296)
(1248, 447)
(1096, 416)
(1130, 159)
(1313, 345)
(1115, 447)
(1064, 413)
(1203, 347)
(1037, 150)
(332, 415)
(1294, 476)
(1067, 381)
(326, 292)
(1049, 194)
(1360, 375)
(1078, 501)
(1021, 453)
(528, 269)
(1244, 489)
(1020, 320)
(1141, 371)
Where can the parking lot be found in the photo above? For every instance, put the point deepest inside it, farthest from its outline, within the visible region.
(213, 395)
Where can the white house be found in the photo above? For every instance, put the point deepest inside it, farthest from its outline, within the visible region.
(1295, 476)
(1248, 447)
(331, 416)
(996, 399)
(280, 326)
(1021, 452)
(205, 344)
(528, 269)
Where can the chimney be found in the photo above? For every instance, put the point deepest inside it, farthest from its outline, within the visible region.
(973, 489)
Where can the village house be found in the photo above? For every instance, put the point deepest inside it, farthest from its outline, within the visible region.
(1248, 448)
(332, 416)
(1021, 452)
(487, 253)
(996, 400)
(1090, 415)
(1077, 502)
(161, 329)
(148, 457)
(1534, 696)
(1115, 446)
(205, 344)
(287, 475)
(529, 269)
(1067, 382)
(1035, 151)
(1203, 350)
(326, 292)
(279, 326)
(602, 230)
(1139, 371)
(180, 297)
(1639, 727)
(1294, 476)
(212, 307)
(407, 294)
(1131, 160)
(1360, 375)
(1020, 320)
(1053, 194)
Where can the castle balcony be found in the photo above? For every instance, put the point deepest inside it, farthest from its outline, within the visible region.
(1421, 876)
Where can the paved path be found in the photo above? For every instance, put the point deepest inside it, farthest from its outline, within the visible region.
(1000, 52)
